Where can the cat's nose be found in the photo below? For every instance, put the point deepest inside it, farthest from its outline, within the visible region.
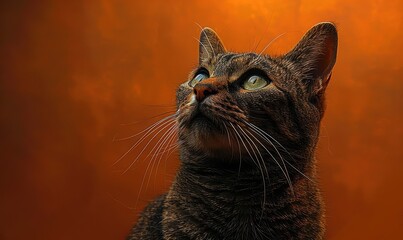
(202, 91)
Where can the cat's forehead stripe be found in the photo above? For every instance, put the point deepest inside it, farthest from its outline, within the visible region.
(226, 57)
(229, 57)
(234, 64)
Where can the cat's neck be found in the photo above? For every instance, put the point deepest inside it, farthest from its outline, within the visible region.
(241, 183)
(234, 200)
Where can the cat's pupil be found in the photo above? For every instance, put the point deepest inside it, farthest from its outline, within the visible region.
(254, 83)
(253, 79)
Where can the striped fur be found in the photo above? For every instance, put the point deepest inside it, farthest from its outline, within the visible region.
(247, 157)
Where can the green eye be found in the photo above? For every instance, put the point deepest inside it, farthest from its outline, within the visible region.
(254, 83)
(199, 77)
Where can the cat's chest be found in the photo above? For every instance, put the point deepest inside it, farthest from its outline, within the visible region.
(195, 217)
(226, 222)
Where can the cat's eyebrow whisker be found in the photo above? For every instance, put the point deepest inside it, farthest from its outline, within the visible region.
(148, 143)
(204, 46)
(268, 45)
(254, 61)
(264, 33)
(208, 40)
(268, 135)
(264, 49)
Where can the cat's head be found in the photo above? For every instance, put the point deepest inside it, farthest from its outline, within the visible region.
(235, 102)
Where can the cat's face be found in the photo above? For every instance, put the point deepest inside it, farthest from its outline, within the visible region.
(233, 102)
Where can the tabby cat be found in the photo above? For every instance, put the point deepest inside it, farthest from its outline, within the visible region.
(248, 128)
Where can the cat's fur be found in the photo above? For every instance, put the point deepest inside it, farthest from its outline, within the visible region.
(234, 183)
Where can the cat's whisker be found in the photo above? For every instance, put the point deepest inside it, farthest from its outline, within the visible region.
(285, 160)
(239, 150)
(168, 147)
(268, 135)
(228, 137)
(158, 115)
(229, 140)
(170, 132)
(173, 143)
(156, 149)
(160, 105)
(149, 131)
(249, 140)
(150, 163)
(261, 133)
(148, 143)
(256, 162)
(167, 143)
(284, 171)
(237, 137)
(142, 182)
(145, 130)
(155, 152)
(171, 149)
(257, 149)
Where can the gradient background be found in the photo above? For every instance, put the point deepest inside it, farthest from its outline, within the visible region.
(73, 71)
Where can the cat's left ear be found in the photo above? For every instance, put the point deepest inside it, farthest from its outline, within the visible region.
(316, 55)
(210, 44)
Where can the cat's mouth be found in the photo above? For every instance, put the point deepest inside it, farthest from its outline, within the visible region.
(206, 129)
(208, 126)
(205, 121)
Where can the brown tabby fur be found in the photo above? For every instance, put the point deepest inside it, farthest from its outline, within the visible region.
(247, 156)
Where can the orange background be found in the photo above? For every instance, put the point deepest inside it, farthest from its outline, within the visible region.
(73, 71)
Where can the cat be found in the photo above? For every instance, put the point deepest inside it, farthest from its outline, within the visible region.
(248, 128)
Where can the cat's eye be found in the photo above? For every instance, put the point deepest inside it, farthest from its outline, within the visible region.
(199, 77)
(254, 83)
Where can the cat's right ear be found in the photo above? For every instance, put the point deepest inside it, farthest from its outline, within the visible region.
(210, 45)
(315, 54)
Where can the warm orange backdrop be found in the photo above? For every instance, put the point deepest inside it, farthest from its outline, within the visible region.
(73, 71)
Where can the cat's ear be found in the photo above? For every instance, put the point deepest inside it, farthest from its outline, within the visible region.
(210, 44)
(316, 55)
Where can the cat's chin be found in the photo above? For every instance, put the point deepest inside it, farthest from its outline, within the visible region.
(215, 146)
(203, 134)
